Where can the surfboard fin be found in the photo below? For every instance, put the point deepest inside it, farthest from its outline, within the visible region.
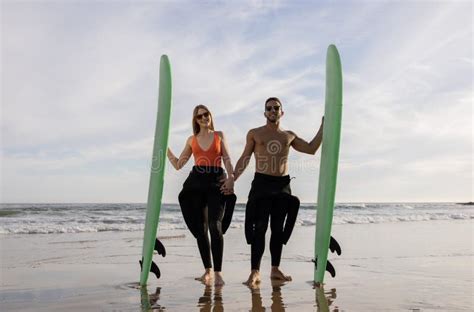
(329, 267)
(154, 268)
(334, 246)
(160, 248)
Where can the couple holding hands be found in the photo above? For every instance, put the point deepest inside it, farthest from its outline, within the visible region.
(207, 199)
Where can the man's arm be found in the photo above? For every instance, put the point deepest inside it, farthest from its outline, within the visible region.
(244, 160)
(309, 148)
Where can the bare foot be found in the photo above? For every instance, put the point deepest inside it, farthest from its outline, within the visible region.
(206, 278)
(278, 275)
(218, 281)
(253, 280)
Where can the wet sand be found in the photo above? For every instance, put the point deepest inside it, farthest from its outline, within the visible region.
(407, 266)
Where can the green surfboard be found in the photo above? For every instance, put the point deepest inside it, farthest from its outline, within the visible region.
(160, 146)
(329, 162)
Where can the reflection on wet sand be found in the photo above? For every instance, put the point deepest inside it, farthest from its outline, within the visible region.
(149, 302)
(212, 301)
(277, 299)
(324, 299)
(205, 302)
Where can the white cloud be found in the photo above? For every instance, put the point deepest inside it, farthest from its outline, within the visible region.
(79, 91)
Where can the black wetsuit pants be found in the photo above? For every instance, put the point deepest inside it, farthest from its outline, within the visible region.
(208, 217)
(275, 211)
(205, 212)
(268, 208)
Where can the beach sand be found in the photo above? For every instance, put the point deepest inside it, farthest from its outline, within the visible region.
(404, 266)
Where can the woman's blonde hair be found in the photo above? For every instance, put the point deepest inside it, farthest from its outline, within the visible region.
(196, 127)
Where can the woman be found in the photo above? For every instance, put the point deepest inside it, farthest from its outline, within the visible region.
(206, 202)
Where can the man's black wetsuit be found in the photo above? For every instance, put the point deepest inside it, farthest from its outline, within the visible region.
(205, 207)
(269, 196)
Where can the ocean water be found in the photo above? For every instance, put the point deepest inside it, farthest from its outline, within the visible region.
(80, 218)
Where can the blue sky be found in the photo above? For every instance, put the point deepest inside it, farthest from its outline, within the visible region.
(79, 88)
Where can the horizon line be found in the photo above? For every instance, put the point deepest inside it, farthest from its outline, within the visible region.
(243, 203)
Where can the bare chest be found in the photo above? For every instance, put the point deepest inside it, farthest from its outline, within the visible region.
(272, 142)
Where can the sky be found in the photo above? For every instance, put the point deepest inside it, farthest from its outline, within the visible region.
(79, 87)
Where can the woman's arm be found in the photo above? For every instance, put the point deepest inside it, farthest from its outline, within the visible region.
(225, 155)
(179, 163)
(228, 185)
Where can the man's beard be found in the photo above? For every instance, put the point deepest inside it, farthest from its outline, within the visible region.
(272, 121)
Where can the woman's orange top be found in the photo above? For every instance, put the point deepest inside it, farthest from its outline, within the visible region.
(210, 157)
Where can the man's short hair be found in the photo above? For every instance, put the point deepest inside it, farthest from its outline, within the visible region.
(273, 99)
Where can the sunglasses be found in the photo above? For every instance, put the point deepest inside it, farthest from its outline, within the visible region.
(276, 108)
(205, 115)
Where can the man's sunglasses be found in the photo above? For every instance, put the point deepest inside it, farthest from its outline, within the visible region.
(205, 115)
(276, 108)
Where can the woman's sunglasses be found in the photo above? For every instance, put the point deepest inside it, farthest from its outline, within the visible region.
(205, 115)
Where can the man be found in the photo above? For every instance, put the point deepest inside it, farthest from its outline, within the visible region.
(270, 195)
